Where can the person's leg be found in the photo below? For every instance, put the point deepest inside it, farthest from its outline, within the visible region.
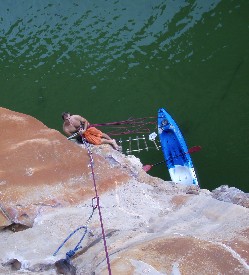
(106, 137)
(112, 142)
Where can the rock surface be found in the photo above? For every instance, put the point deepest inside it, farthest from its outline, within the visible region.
(150, 226)
(231, 194)
(41, 169)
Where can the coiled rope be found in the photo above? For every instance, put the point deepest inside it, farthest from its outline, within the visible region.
(71, 253)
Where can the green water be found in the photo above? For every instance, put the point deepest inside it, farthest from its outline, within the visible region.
(111, 60)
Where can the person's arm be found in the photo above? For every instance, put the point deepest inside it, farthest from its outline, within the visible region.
(86, 123)
(65, 130)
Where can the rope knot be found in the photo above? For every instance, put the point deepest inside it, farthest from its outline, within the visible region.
(70, 253)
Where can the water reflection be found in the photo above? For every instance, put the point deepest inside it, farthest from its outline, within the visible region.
(97, 35)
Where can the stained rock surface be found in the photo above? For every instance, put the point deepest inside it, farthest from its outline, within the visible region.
(143, 225)
(40, 169)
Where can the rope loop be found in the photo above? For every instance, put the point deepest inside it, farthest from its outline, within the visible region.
(71, 253)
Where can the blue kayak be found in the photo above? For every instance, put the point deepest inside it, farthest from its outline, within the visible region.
(175, 150)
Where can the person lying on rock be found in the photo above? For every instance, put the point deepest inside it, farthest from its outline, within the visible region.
(76, 123)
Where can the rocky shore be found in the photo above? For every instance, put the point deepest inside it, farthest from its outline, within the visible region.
(143, 225)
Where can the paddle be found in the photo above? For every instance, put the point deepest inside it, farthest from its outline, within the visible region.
(193, 149)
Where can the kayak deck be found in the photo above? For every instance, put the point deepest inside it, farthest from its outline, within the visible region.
(175, 150)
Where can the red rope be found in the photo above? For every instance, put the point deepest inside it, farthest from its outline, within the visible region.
(128, 121)
(130, 126)
(100, 216)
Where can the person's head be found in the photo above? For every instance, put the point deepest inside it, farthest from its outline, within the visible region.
(65, 115)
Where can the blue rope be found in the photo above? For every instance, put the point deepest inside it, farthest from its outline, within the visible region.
(71, 253)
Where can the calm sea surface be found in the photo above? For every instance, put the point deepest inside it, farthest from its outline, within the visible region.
(112, 60)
